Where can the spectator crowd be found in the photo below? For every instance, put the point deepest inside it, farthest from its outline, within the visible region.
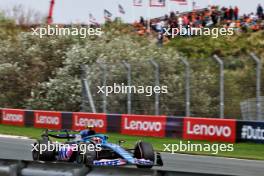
(213, 16)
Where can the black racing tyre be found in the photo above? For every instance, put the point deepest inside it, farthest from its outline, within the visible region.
(89, 156)
(144, 150)
(80, 156)
(46, 155)
(86, 156)
(35, 152)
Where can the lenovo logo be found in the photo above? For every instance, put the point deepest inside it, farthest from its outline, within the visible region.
(208, 130)
(13, 117)
(82, 122)
(142, 125)
(52, 120)
(47, 119)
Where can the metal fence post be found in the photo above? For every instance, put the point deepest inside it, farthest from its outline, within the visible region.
(83, 105)
(258, 84)
(84, 97)
(128, 69)
(222, 103)
(187, 86)
(157, 83)
(104, 77)
(87, 88)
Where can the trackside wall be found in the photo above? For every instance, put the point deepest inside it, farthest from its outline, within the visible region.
(189, 128)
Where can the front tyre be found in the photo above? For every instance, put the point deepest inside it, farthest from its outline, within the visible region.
(144, 150)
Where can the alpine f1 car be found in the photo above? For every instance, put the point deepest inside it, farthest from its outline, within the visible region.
(94, 150)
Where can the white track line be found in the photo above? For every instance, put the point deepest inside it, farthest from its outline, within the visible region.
(214, 157)
(13, 137)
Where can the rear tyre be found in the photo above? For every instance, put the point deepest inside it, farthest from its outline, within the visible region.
(90, 156)
(80, 158)
(86, 156)
(46, 155)
(35, 152)
(144, 150)
(80, 154)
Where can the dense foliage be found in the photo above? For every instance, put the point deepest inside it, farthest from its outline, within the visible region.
(44, 73)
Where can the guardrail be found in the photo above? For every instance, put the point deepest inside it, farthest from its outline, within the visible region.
(212, 129)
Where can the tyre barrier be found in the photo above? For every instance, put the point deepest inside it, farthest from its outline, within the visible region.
(189, 128)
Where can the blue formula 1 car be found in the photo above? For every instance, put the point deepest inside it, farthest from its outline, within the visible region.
(93, 150)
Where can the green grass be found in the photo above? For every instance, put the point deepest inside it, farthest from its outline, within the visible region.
(206, 46)
(241, 150)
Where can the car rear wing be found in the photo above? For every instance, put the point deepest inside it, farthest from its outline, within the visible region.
(62, 134)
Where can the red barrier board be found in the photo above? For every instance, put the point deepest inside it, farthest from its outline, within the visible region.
(143, 125)
(13, 117)
(47, 119)
(211, 129)
(81, 120)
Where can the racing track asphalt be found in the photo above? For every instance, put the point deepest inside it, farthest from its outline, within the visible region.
(13, 148)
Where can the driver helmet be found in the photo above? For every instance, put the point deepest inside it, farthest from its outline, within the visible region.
(89, 127)
(97, 140)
